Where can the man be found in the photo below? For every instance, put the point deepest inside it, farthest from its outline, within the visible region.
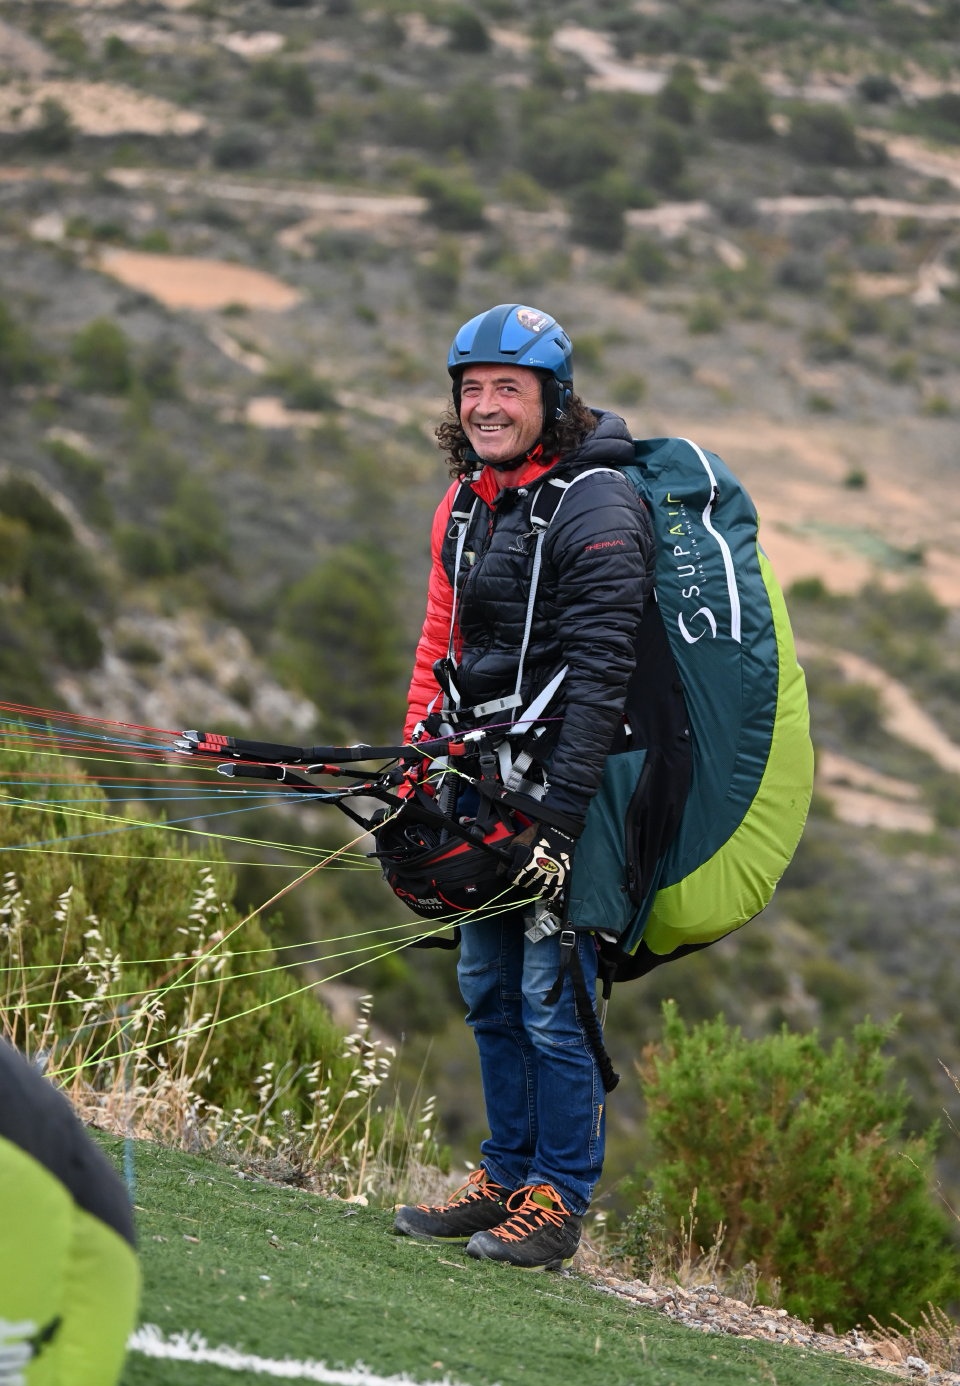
(510, 618)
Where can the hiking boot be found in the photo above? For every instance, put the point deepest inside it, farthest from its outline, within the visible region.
(539, 1233)
(478, 1204)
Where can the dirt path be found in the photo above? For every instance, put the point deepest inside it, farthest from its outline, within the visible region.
(867, 799)
(95, 108)
(181, 281)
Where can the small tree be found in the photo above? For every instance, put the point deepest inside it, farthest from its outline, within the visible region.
(55, 131)
(666, 159)
(824, 135)
(453, 203)
(677, 99)
(101, 354)
(468, 33)
(598, 212)
(344, 642)
(742, 110)
(799, 1153)
(20, 361)
(438, 274)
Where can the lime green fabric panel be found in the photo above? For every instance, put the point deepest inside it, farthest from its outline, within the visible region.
(36, 1230)
(58, 1262)
(743, 873)
(102, 1292)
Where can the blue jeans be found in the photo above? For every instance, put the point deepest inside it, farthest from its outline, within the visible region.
(541, 1083)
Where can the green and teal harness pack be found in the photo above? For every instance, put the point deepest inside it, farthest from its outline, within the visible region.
(751, 772)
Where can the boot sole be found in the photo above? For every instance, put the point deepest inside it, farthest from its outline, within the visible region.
(557, 1264)
(407, 1228)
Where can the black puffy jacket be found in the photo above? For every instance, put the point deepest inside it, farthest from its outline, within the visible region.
(596, 577)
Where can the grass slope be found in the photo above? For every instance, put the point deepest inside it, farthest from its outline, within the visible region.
(278, 1272)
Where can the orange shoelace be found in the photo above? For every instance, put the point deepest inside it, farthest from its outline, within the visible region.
(527, 1214)
(477, 1186)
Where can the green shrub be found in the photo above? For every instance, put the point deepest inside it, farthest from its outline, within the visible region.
(344, 642)
(860, 709)
(824, 135)
(408, 118)
(20, 360)
(76, 639)
(159, 369)
(55, 132)
(562, 152)
(802, 270)
(523, 191)
(828, 342)
(800, 1153)
(865, 316)
(69, 45)
(942, 792)
(143, 552)
(628, 389)
(912, 608)
(938, 117)
(645, 262)
(193, 525)
(678, 97)
(23, 677)
(810, 589)
(856, 479)
(239, 147)
(705, 315)
(438, 274)
(144, 900)
(301, 389)
(468, 33)
(665, 163)
(598, 213)
(102, 356)
(58, 585)
(453, 203)
(21, 499)
(116, 50)
(471, 121)
(742, 110)
(904, 368)
(292, 80)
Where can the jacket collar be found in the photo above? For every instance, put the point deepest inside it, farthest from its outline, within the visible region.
(491, 481)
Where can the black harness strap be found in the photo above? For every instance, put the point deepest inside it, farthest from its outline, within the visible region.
(586, 1010)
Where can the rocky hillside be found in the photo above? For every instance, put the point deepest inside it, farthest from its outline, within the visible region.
(234, 243)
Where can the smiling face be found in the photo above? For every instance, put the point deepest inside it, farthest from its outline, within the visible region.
(501, 410)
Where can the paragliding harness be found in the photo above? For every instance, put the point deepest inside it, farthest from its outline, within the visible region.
(439, 861)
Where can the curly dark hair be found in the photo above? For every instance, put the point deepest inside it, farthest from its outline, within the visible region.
(558, 436)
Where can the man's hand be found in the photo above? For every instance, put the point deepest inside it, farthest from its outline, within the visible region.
(543, 860)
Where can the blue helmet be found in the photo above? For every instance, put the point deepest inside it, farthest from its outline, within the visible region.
(518, 336)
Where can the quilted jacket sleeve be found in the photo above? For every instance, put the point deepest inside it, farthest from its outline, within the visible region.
(435, 634)
(599, 555)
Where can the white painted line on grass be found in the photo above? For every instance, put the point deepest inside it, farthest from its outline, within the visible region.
(191, 1347)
